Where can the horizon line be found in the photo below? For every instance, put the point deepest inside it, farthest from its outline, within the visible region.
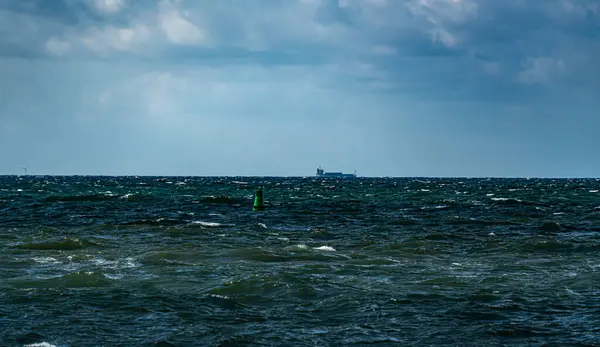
(300, 176)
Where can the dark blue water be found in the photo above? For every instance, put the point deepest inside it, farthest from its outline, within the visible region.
(176, 261)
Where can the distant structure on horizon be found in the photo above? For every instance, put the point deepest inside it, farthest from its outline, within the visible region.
(322, 173)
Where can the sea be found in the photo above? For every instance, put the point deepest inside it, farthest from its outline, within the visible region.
(185, 261)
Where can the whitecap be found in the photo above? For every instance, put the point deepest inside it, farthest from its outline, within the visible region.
(299, 247)
(46, 260)
(113, 276)
(325, 248)
(219, 296)
(104, 262)
(40, 344)
(207, 224)
(262, 225)
(437, 207)
(506, 199)
(572, 292)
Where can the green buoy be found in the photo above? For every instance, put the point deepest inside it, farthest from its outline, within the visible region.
(259, 202)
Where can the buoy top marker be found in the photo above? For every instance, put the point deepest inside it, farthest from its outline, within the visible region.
(259, 202)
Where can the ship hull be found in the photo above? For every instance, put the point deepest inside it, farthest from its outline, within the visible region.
(321, 173)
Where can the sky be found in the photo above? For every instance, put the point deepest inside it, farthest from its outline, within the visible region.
(474, 88)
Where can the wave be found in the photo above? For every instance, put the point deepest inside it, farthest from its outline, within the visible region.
(80, 198)
(455, 220)
(80, 279)
(325, 248)
(64, 244)
(507, 201)
(155, 222)
(207, 224)
(223, 200)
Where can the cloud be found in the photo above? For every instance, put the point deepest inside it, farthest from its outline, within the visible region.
(187, 69)
(110, 38)
(387, 35)
(442, 15)
(178, 29)
(491, 68)
(57, 47)
(108, 6)
(541, 70)
(384, 50)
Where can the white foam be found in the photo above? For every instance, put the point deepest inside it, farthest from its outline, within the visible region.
(113, 276)
(46, 260)
(572, 292)
(125, 263)
(506, 199)
(325, 248)
(219, 296)
(40, 344)
(438, 207)
(207, 224)
(297, 247)
(262, 225)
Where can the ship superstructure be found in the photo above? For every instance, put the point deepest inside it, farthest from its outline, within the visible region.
(322, 173)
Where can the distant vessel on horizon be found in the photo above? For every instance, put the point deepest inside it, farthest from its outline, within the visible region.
(322, 173)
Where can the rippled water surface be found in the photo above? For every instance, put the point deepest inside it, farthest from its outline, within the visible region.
(176, 261)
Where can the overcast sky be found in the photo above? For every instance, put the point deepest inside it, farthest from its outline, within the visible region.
(278, 87)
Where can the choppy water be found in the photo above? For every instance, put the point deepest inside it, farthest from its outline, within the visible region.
(89, 261)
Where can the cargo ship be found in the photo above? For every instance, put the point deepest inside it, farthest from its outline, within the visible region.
(322, 173)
